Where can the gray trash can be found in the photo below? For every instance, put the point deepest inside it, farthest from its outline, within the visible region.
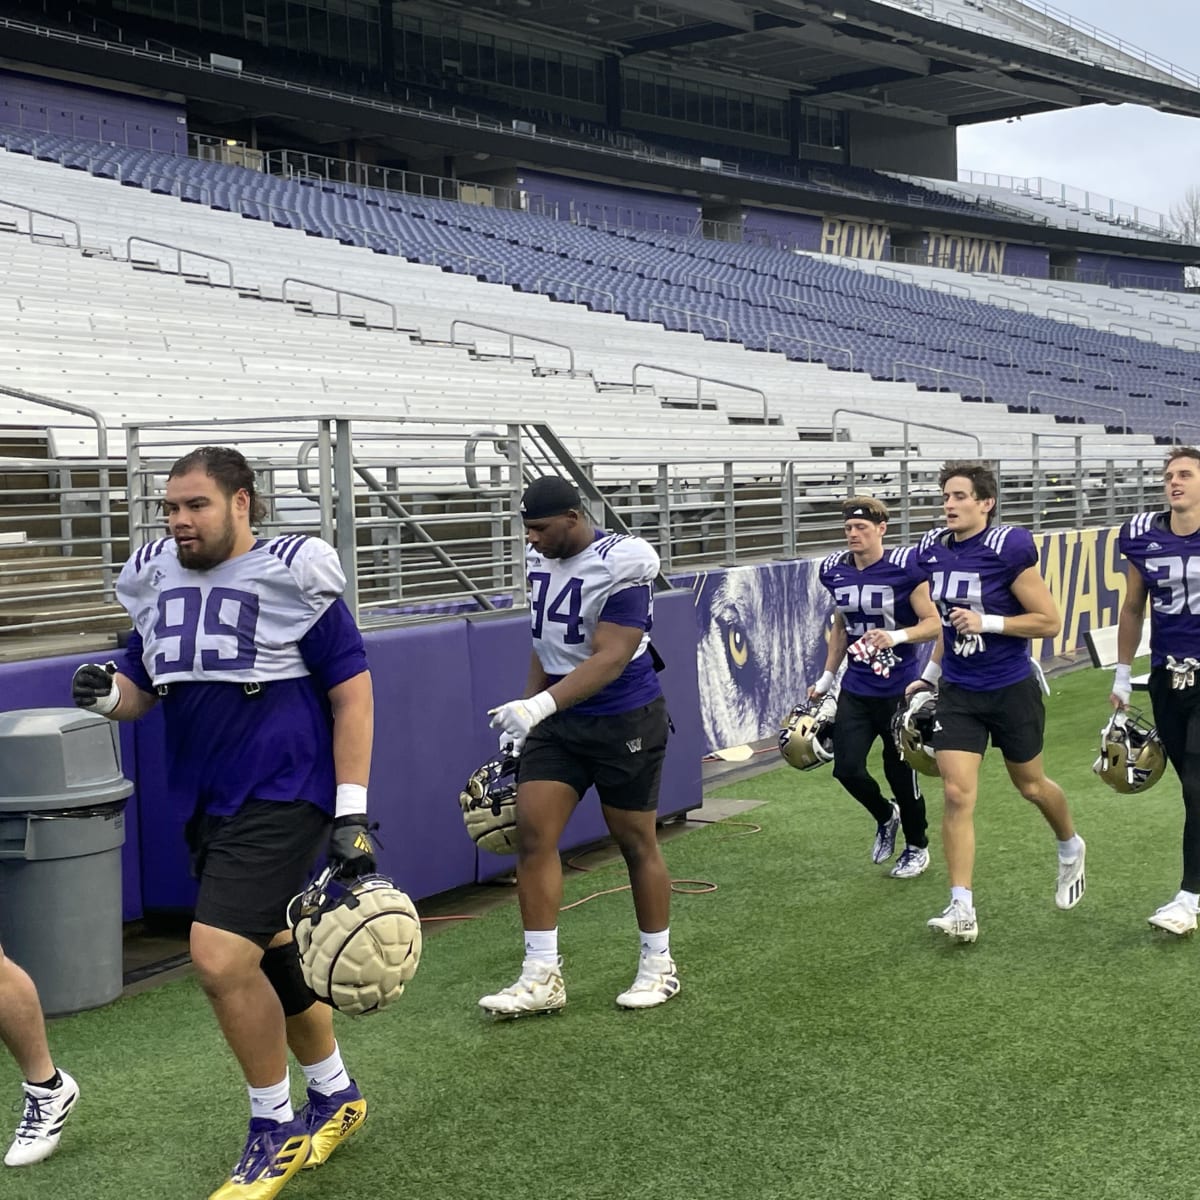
(62, 825)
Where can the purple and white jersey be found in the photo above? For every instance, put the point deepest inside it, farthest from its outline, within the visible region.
(1170, 565)
(271, 618)
(876, 597)
(611, 580)
(978, 573)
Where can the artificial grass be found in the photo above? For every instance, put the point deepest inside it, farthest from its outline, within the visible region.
(826, 1045)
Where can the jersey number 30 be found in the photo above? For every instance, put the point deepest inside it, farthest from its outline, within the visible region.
(194, 618)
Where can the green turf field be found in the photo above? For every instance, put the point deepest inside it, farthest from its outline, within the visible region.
(825, 1045)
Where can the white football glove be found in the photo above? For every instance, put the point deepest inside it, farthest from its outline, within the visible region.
(1122, 686)
(967, 644)
(516, 718)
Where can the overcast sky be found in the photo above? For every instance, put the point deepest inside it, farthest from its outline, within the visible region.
(1128, 153)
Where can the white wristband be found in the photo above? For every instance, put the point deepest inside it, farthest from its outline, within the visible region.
(542, 705)
(991, 623)
(105, 704)
(899, 636)
(351, 800)
(932, 672)
(824, 683)
(1123, 678)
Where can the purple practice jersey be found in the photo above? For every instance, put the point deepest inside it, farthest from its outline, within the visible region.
(978, 573)
(246, 653)
(876, 597)
(1170, 565)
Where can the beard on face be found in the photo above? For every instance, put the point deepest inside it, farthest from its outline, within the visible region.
(212, 553)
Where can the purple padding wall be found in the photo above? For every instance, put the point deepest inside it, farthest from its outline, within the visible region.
(790, 230)
(1133, 272)
(433, 686)
(46, 683)
(47, 106)
(597, 203)
(499, 652)
(1026, 260)
(426, 711)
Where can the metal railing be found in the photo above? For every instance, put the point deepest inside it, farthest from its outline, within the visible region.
(423, 516)
(180, 253)
(512, 338)
(691, 314)
(700, 380)
(1080, 368)
(32, 233)
(339, 294)
(779, 336)
(939, 372)
(1083, 403)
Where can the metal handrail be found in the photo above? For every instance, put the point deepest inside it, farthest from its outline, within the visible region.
(900, 362)
(102, 477)
(1007, 302)
(1192, 343)
(1070, 318)
(180, 251)
(1177, 425)
(793, 337)
(472, 258)
(700, 379)
(1168, 318)
(1079, 368)
(508, 333)
(689, 313)
(577, 288)
(1140, 335)
(30, 234)
(985, 346)
(1181, 390)
(1073, 400)
(338, 293)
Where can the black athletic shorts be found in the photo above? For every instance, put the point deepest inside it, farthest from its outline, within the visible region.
(621, 753)
(1014, 717)
(251, 864)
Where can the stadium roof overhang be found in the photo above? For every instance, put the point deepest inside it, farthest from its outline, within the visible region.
(847, 54)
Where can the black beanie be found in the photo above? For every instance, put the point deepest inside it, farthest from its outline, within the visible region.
(549, 496)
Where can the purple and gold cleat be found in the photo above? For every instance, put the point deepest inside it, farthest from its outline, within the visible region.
(274, 1153)
(330, 1120)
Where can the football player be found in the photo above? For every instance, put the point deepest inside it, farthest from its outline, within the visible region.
(593, 714)
(984, 580)
(1163, 553)
(50, 1093)
(881, 603)
(267, 704)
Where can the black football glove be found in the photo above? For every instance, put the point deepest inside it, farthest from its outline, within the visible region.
(351, 848)
(93, 687)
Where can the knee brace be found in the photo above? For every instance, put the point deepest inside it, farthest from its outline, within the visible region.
(281, 966)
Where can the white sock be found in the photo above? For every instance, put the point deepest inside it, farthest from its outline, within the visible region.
(656, 944)
(965, 895)
(327, 1076)
(273, 1103)
(1190, 900)
(542, 945)
(1069, 850)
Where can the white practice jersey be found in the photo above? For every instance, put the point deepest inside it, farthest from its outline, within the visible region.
(567, 596)
(237, 622)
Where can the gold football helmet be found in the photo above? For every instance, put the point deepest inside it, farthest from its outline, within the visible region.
(1132, 757)
(806, 734)
(912, 731)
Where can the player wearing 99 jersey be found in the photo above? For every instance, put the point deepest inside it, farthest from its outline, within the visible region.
(593, 714)
(262, 677)
(984, 579)
(881, 604)
(1163, 550)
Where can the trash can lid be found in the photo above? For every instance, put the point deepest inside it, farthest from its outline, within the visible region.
(58, 758)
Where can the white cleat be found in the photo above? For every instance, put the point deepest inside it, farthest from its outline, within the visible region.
(1072, 882)
(1176, 918)
(42, 1122)
(913, 862)
(539, 989)
(884, 845)
(957, 922)
(656, 982)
